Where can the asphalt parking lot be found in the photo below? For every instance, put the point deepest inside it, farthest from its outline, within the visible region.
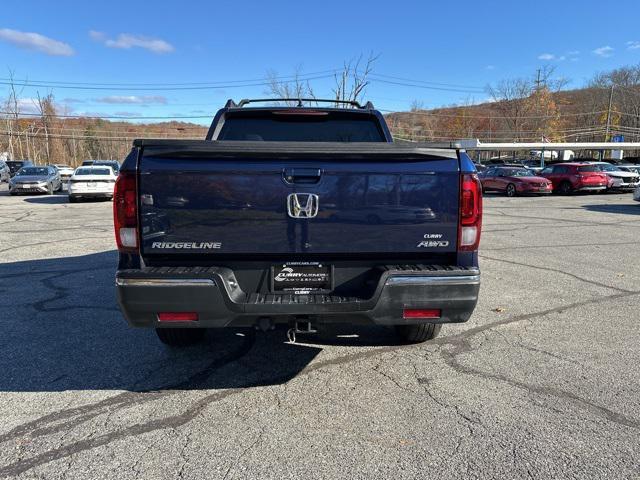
(543, 382)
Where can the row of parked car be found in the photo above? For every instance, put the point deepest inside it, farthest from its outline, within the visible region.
(564, 178)
(94, 179)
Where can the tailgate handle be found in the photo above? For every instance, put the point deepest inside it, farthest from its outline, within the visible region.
(301, 175)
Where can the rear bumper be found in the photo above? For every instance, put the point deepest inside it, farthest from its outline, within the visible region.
(91, 194)
(84, 192)
(215, 296)
(591, 188)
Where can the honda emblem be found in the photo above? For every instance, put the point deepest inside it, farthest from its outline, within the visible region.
(302, 205)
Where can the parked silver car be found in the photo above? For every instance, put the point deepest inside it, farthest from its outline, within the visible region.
(5, 173)
(629, 168)
(35, 180)
(622, 179)
(65, 171)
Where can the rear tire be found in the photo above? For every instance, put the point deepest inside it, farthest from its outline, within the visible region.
(180, 337)
(565, 188)
(511, 190)
(418, 333)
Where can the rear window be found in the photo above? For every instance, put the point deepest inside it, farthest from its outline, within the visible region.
(516, 172)
(113, 165)
(93, 171)
(34, 171)
(297, 127)
(14, 166)
(588, 168)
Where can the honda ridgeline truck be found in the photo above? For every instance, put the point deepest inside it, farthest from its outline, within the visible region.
(300, 216)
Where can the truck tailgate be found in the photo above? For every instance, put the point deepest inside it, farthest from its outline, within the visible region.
(284, 197)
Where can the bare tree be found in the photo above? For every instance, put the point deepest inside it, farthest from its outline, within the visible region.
(12, 117)
(509, 97)
(54, 148)
(545, 78)
(353, 79)
(296, 88)
(525, 103)
(626, 93)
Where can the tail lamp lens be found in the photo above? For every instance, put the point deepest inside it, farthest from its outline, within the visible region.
(470, 212)
(125, 218)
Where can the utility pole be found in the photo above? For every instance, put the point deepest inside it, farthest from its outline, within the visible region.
(538, 80)
(606, 134)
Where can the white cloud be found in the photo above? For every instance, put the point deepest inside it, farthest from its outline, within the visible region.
(546, 56)
(97, 36)
(633, 45)
(128, 114)
(133, 99)
(73, 100)
(573, 53)
(29, 106)
(37, 42)
(604, 52)
(490, 67)
(552, 57)
(130, 40)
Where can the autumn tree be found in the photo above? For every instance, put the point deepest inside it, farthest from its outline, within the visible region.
(544, 121)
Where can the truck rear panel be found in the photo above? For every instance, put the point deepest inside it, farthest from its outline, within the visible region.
(234, 198)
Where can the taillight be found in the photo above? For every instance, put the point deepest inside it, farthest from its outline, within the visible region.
(125, 209)
(470, 213)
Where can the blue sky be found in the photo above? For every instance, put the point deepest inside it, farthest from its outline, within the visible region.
(463, 43)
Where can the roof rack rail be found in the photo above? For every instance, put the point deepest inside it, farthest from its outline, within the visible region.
(245, 101)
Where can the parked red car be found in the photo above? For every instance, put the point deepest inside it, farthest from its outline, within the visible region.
(514, 181)
(575, 177)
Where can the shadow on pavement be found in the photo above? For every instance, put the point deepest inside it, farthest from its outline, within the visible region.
(64, 331)
(56, 198)
(630, 209)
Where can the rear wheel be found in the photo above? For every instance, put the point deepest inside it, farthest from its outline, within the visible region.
(180, 337)
(417, 333)
(511, 190)
(565, 188)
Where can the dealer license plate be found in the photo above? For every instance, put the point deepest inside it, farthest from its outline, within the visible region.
(302, 278)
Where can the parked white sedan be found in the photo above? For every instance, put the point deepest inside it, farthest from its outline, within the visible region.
(91, 182)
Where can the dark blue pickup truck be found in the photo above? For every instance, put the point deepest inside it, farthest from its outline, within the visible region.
(299, 216)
